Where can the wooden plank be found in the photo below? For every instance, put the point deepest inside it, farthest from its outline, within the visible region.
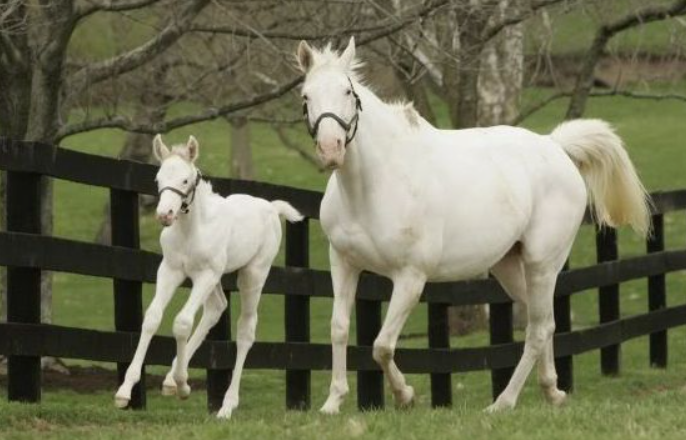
(128, 295)
(370, 388)
(657, 294)
(564, 365)
(501, 332)
(608, 300)
(218, 379)
(133, 176)
(23, 283)
(297, 316)
(51, 340)
(439, 337)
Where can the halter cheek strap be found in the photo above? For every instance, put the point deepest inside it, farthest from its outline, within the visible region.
(347, 126)
(185, 203)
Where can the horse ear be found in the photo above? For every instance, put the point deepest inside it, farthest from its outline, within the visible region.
(160, 150)
(348, 54)
(193, 148)
(305, 57)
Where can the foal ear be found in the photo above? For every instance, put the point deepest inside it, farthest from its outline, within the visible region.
(305, 57)
(348, 54)
(193, 148)
(160, 150)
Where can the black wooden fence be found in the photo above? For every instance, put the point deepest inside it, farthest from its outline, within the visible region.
(26, 252)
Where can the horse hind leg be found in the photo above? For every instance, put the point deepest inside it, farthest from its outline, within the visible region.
(510, 272)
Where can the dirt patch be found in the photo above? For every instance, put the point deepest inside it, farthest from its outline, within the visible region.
(87, 380)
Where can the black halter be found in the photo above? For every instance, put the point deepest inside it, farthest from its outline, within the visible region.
(352, 124)
(185, 205)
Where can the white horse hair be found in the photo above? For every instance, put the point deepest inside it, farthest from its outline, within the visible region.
(417, 204)
(206, 236)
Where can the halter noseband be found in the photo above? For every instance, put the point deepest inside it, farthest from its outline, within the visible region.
(185, 205)
(345, 125)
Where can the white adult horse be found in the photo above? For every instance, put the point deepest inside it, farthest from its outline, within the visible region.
(206, 236)
(417, 204)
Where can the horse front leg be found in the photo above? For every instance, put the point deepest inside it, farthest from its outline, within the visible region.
(407, 288)
(203, 286)
(168, 280)
(345, 278)
(212, 311)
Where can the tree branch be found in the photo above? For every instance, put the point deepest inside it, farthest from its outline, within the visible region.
(125, 123)
(288, 143)
(492, 30)
(89, 7)
(524, 114)
(584, 83)
(142, 54)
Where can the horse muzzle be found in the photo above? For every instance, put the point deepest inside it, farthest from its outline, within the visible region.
(331, 154)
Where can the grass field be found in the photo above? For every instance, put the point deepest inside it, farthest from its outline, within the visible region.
(642, 403)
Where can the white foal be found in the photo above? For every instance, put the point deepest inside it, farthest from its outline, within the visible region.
(417, 204)
(206, 236)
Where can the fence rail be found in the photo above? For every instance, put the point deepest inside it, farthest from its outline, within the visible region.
(26, 253)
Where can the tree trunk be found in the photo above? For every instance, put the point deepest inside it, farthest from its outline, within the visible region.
(241, 151)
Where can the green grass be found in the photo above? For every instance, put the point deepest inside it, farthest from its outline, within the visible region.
(641, 403)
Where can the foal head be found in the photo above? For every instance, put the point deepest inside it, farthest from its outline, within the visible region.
(177, 178)
(330, 104)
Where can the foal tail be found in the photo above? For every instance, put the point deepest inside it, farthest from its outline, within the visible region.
(616, 194)
(287, 211)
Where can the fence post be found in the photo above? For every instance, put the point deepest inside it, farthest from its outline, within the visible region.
(297, 318)
(218, 380)
(439, 337)
(657, 295)
(128, 295)
(23, 284)
(608, 299)
(563, 324)
(500, 326)
(370, 391)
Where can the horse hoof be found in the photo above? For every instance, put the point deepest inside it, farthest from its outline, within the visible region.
(121, 402)
(168, 390)
(499, 406)
(405, 398)
(225, 413)
(329, 409)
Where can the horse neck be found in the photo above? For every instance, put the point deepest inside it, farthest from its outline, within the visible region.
(375, 150)
(203, 193)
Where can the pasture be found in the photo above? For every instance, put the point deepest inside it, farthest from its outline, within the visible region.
(642, 402)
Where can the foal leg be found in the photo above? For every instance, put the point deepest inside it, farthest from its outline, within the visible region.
(203, 286)
(407, 288)
(168, 280)
(344, 278)
(539, 331)
(250, 282)
(212, 310)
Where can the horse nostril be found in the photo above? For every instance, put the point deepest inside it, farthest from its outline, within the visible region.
(170, 212)
(338, 143)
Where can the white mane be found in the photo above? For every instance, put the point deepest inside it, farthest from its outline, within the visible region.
(327, 57)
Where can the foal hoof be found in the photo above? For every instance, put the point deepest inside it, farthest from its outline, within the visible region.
(168, 390)
(405, 398)
(121, 402)
(330, 408)
(183, 391)
(556, 397)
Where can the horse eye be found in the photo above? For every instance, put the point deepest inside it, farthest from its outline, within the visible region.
(304, 97)
(185, 181)
(348, 92)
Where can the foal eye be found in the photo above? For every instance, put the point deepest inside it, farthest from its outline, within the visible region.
(185, 181)
(304, 97)
(348, 92)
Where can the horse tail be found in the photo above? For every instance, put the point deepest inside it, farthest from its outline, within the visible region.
(615, 192)
(287, 211)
